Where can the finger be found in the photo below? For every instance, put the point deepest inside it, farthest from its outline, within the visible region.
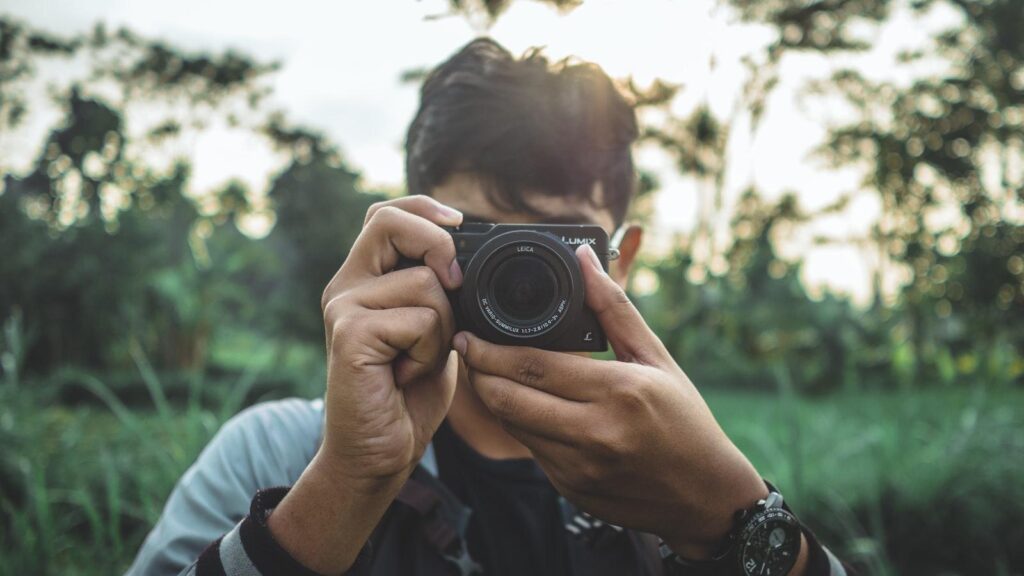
(392, 233)
(564, 375)
(423, 206)
(409, 335)
(626, 330)
(544, 448)
(411, 287)
(429, 399)
(528, 409)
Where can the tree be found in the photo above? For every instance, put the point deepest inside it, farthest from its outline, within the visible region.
(118, 253)
(320, 210)
(948, 148)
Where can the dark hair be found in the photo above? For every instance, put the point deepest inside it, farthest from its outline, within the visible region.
(523, 125)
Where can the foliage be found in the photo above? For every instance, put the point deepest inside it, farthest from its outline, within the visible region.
(755, 326)
(320, 210)
(896, 425)
(943, 155)
(819, 25)
(119, 253)
(941, 152)
(492, 9)
(911, 483)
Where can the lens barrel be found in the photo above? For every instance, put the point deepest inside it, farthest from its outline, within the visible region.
(522, 285)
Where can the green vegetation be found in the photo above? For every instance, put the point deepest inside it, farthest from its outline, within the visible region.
(901, 483)
(139, 314)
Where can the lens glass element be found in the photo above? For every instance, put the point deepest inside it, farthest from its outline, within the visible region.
(524, 288)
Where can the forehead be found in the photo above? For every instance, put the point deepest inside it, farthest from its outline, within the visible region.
(466, 194)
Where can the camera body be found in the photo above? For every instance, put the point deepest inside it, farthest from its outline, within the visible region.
(523, 285)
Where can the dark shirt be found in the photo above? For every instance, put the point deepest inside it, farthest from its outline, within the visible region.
(516, 526)
(516, 520)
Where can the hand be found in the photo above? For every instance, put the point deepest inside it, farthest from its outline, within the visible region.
(630, 441)
(390, 379)
(391, 373)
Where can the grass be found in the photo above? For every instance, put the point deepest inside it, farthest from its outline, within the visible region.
(922, 482)
(926, 482)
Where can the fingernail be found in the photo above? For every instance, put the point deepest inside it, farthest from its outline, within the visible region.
(452, 213)
(592, 256)
(460, 342)
(455, 273)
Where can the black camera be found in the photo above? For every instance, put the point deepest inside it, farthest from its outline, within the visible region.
(523, 284)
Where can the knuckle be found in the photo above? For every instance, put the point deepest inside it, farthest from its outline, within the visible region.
(615, 299)
(382, 216)
(421, 201)
(505, 402)
(325, 298)
(635, 397)
(373, 210)
(620, 297)
(335, 302)
(428, 317)
(341, 325)
(423, 279)
(330, 307)
(530, 371)
(333, 288)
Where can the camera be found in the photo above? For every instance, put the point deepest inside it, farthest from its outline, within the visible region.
(523, 285)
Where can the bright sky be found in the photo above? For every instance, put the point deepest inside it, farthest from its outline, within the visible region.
(342, 61)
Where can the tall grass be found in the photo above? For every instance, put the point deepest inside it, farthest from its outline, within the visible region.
(921, 482)
(81, 484)
(911, 482)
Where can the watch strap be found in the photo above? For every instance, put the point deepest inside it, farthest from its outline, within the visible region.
(676, 565)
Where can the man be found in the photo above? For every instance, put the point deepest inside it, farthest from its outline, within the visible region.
(435, 452)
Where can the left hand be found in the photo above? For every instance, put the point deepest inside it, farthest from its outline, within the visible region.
(630, 441)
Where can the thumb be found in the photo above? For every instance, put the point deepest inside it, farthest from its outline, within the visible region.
(626, 330)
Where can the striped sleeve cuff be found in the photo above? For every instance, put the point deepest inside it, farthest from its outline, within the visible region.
(250, 550)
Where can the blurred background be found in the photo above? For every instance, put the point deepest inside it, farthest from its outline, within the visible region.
(833, 192)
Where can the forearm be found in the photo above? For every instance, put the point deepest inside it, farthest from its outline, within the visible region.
(324, 524)
(714, 518)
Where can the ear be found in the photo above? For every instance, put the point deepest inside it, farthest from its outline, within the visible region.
(630, 237)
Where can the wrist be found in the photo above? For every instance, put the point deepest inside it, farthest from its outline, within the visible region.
(800, 568)
(707, 537)
(351, 481)
(324, 521)
(765, 538)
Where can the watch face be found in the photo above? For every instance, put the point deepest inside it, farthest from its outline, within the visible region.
(769, 544)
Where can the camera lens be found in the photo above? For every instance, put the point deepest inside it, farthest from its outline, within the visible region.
(524, 288)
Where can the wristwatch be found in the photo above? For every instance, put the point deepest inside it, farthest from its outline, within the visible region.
(764, 541)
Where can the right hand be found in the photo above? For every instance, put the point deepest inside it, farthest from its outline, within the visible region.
(391, 371)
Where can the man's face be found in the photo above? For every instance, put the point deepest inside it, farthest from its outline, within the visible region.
(466, 194)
